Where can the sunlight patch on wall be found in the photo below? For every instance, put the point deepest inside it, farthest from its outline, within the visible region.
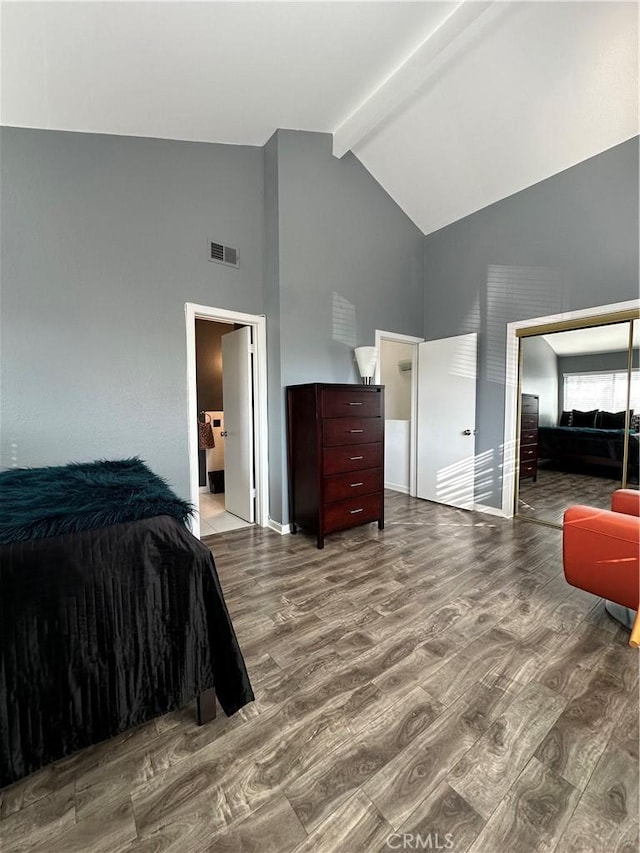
(471, 322)
(343, 316)
(516, 293)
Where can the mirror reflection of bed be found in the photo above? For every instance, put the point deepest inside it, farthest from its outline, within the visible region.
(576, 388)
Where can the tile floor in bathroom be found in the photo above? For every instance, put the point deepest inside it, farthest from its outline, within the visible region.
(214, 518)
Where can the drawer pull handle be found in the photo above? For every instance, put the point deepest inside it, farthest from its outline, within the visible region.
(356, 484)
(353, 511)
(354, 404)
(353, 458)
(356, 430)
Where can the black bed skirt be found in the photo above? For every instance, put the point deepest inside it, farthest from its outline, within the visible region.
(104, 630)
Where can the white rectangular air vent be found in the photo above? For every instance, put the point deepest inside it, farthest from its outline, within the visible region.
(223, 254)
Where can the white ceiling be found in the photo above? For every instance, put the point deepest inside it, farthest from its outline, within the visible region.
(546, 86)
(450, 106)
(611, 338)
(212, 72)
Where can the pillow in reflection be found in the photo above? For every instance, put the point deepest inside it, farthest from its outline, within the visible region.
(612, 420)
(583, 419)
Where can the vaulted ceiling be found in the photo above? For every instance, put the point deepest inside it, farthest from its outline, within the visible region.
(450, 106)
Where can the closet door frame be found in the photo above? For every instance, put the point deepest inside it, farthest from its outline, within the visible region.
(599, 315)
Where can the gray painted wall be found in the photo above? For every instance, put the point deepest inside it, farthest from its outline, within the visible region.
(567, 243)
(271, 284)
(540, 376)
(350, 261)
(343, 242)
(104, 239)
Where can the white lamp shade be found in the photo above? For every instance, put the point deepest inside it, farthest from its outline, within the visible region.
(366, 358)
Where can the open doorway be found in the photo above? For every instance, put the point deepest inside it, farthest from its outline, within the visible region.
(227, 419)
(215, 516)
(396, 370)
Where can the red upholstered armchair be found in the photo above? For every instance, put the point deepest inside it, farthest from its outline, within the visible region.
(601, 552)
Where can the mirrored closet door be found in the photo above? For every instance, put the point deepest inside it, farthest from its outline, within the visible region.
(578, 418)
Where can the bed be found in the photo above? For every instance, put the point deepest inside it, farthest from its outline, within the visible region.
(568, 446)
(105, 626)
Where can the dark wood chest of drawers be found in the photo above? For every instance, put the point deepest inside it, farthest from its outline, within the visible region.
(336, 457)
(529, 437)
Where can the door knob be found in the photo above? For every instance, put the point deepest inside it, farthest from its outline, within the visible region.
(467, 432)
(223, 433)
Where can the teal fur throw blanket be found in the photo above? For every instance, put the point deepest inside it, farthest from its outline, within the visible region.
(40, 502)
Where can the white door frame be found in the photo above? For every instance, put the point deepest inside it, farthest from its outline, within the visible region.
(413, 432)
(510, 444)
(258, 324)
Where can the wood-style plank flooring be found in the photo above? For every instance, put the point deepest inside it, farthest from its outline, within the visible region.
(555, 490)
(437, 680)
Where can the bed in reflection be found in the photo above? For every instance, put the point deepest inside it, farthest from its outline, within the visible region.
(573, 447)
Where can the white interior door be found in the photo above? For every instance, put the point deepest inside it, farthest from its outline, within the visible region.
(237, 393)
(447, 372)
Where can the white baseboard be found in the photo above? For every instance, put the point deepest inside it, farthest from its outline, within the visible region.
(396, 487)
(203, 489)
(282, 529)
(489, 510)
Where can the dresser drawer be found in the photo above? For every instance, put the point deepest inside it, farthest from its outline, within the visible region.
(343, 514)
(351, 403)
(528, 453)
(341, 486)
(528, 469)
(529, 436)
(338, 459)
(352, 430)
(528, 422)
